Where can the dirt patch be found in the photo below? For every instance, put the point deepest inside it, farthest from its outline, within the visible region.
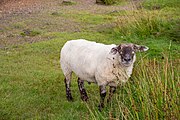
(44, 16)
(12, 6)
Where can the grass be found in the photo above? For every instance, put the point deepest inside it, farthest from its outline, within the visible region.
(151, 93)
(31, 78)
(145, 23)
(32, 85)
(31, 33)
(159, 4)
(85, 17)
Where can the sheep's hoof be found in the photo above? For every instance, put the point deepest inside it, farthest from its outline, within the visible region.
(84, 98)
(70, 98)
(100, 107)
(108, 100)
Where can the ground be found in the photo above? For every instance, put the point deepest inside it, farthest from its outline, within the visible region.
(18, 16)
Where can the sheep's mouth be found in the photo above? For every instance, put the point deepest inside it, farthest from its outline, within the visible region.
(126, 63)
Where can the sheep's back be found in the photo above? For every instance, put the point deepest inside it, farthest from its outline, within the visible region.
(83, 56)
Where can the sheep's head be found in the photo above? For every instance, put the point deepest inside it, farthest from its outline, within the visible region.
(127, 52)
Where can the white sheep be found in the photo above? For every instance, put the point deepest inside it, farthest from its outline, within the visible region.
(95, 62)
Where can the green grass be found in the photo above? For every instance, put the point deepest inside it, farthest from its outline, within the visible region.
(145, 23)
(85, 17)
(32, 83)
(159, 4)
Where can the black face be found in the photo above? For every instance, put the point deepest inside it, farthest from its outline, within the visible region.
(127, 54)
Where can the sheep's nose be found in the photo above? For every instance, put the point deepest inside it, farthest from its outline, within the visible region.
(127, 59)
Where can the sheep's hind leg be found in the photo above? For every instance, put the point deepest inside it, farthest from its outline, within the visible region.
(102, 95)
(111, 92)
(68, 90)
(82, 90)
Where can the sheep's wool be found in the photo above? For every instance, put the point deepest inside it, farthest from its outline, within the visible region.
(93, 62)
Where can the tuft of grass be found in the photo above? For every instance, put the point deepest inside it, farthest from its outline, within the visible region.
(174, 33)
(68, 2)
(110, 2)
(19, 25)
(56, 14)
(151, 93)
(27, 32)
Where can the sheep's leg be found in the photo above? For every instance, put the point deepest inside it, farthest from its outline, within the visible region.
(67, 85)
(102, 95)
(111, 92)
(82, 90)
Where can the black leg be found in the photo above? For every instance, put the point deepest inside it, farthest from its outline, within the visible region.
(111, 92)
(102, 95)
(82, 90)
(68, 90)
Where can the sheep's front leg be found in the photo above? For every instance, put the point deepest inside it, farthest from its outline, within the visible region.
(111, 92)
(102, 95)
(82, 90)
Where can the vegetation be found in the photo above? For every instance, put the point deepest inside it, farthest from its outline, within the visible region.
(28, 32)
(159, 4)
(110, 2)
(68, 3)
(32, 85)
(152, 93)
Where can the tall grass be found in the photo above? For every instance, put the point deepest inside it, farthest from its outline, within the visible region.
(152, 93)
(146, 23)
(141, 22)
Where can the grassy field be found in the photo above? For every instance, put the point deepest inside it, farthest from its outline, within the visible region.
(32, 83)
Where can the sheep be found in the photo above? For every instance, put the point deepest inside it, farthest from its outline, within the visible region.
(105, 65)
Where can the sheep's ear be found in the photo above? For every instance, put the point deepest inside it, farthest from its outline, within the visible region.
(114, 50)
(140, 48)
